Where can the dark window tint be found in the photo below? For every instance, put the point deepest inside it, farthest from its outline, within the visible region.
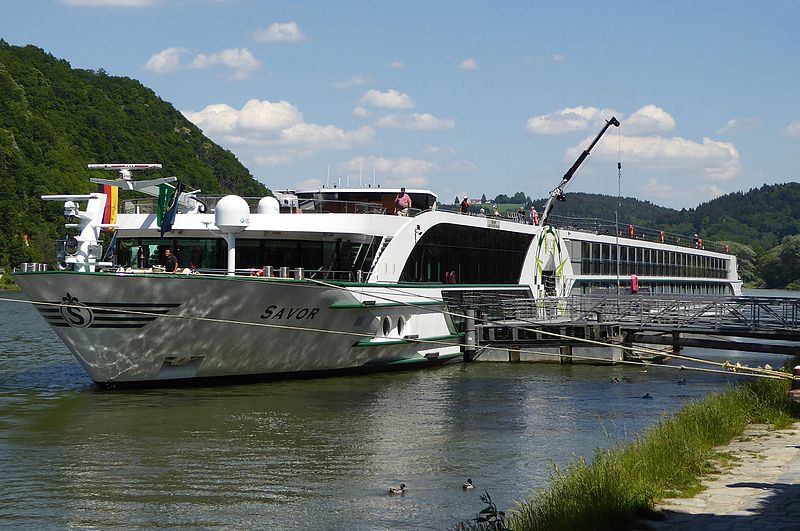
(477, 255)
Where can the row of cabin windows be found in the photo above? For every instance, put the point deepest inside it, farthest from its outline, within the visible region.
(601, 259)
(670, 288)
(212, 253)
(467, 255)
(445, 253)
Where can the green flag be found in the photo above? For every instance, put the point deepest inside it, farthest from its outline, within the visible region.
(164, 192)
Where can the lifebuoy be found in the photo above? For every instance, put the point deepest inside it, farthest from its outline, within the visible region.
(634, 284)
(661, 236)
(630, 230)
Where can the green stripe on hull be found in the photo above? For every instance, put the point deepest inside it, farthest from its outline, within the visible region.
(393, 342)
(361, 305)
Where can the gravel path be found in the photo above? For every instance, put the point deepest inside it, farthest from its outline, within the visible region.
(761, 491)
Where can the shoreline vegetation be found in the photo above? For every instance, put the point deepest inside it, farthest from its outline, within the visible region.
(7, 282)
(622, 484)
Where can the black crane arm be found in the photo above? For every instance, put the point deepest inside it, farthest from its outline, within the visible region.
(558, 191)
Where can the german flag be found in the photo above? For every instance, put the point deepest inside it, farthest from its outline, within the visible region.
(112, 203)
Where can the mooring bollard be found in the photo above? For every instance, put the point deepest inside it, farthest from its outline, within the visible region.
(566, 354)
(676, 341)
(469, 335)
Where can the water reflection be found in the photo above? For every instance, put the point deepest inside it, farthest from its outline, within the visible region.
(302, 454)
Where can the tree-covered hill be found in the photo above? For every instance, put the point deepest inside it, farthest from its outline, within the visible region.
(761, 217)
(55, 119)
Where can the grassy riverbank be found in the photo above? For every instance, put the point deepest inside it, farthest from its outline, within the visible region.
(625, 482)
(7, 282)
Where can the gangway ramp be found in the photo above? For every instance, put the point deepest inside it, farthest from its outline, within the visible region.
(759, 324)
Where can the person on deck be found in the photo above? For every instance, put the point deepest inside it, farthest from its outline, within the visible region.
(534, 216)
(170, 261)
(465, 205)
(402, 203)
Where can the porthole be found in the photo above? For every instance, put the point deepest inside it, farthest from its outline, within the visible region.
(401, 325)
(387, 325)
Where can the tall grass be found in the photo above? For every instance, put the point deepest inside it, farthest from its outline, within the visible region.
(625, 482)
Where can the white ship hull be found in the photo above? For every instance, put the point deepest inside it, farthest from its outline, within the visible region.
(127, 328)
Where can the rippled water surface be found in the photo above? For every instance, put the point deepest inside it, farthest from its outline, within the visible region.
(302, 454)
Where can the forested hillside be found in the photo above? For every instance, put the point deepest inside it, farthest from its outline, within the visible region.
(55, 119)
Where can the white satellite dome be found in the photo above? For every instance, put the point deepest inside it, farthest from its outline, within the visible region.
(232, 214)
(268, 205)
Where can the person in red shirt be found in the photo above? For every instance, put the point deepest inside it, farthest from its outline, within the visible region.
(465, 205)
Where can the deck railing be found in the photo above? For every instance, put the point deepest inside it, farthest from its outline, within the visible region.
(305, 206)
(754, 315)
(609, 228)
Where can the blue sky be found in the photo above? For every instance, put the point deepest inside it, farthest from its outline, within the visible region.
(461, 97)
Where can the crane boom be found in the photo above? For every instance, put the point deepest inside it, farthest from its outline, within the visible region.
(558, 192)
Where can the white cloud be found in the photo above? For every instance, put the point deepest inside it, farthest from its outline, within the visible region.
(396, 64)
(240, 60)
(709, 159)
(309, 184)
(391, 99)
(568, 120)
(266, 115)
(281, 32)
(361, 112)
(166, 61)
(648, 119)
(737, 124)
(436, 150)
(111, 3)
(319, 137)
(273, 133)
(403, 171)
(274, 160)
(355, 81)
(559, 58)
(468, 64)
(416, 121)
(655, 188)
(793, 129)
(217, 118)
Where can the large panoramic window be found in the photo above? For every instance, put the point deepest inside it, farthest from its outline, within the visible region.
(477, 256)
(600, 259)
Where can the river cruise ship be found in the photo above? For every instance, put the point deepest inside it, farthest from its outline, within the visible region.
(320, 280)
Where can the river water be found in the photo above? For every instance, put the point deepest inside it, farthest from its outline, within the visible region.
(311, 454)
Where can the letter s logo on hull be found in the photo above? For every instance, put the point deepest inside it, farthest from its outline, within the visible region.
(75, 313)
